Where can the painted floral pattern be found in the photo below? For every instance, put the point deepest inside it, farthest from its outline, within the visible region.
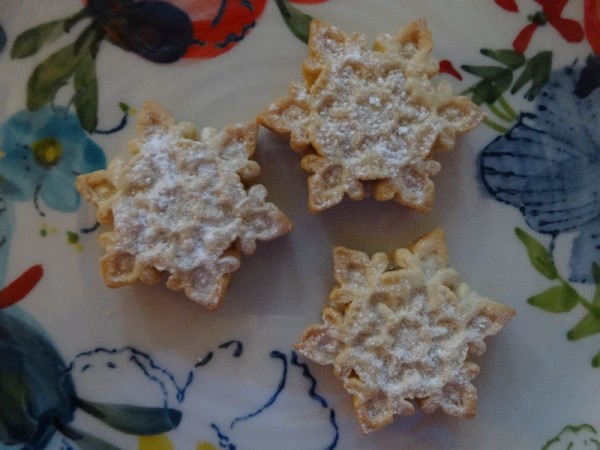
(43, 148)
(158, 31)
(544, 161)
(547, 164)
(532, 166)
(35, 409)
(41, 153)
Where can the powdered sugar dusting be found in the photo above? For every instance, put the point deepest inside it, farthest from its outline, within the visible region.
(370, 116)
(179, 207)
(400, 332)
(182, 206)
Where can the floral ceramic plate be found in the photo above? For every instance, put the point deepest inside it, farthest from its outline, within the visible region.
(83, 366)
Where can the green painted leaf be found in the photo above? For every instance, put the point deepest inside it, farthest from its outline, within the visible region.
(124, 107)
(138, 420)
(86, 91)
(596, 360)
(50, 75)
(486, 72)
(85, 441)
(15, 423)
(508, 57)
(538, 255)
(494, 82)
(557, 299)
(542, 66)
(72, 237)
(28, 400)
(537, 71)
(296, 20)
(570, 437)
(89, 442)
(523, 79)
(596, 275)
(590, 324)
(30, 41)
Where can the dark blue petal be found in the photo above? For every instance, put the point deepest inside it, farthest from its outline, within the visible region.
(2, 39)
(589, 79)
(548, 164)
(7, 222)
(553, 184)
(156, 30)
(31, 364)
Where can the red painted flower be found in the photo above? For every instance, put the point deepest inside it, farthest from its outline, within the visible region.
(447, 67)
(19, 288)
(508, 5)
(569, 29)
(166, 30)
(218, 25)
(591, 23)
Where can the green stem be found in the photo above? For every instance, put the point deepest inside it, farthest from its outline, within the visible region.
(70, 22)
(86, 38)
(587, 305)
(66, 430)
(495, 126)
(500, 114)
(507, 108)
(581, 300)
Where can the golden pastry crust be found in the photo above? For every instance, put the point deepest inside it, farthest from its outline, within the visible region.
(182, 205)
(370, 116)
(400, 332)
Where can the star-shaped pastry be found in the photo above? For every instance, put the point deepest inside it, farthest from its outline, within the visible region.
(400, 332)
(370, 119)
(183, 205)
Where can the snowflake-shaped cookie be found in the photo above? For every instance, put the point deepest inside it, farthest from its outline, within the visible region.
(400, 332)
(370, 116)
(182, 206)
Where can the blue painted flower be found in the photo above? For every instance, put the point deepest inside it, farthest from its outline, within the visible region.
(42, 152)
(39, 400)
(548, 164)
(35, 386)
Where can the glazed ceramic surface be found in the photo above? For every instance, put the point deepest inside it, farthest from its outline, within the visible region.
(141, 367)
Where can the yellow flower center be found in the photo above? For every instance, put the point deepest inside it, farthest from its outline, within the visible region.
(47, 151)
